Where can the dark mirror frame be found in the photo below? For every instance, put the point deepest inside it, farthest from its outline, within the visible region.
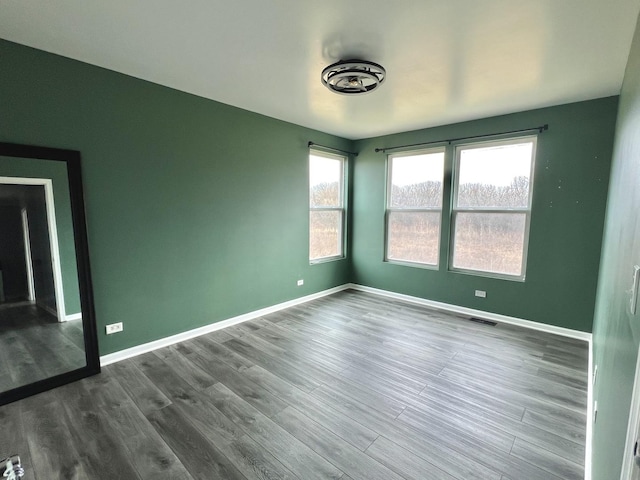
(72, 159)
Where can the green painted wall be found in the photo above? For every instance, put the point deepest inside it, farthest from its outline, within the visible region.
(616, 333)
(57, 172)
(196, 211)
(570, 188)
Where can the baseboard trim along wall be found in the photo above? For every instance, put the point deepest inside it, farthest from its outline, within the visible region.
(48, 309)
(66, 318)
(196, 332)
(588, 447)
(565, 332)
(164, 342)
(496, 317)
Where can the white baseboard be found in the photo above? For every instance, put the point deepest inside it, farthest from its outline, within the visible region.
(48, 309)
(588, 447)
(66, 318)
(180, 337)
(566, 332)
(496, 317)
(196, 332)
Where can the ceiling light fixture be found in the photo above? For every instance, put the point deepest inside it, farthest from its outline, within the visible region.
(353, 77)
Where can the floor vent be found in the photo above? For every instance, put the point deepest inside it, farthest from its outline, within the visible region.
(483, 321)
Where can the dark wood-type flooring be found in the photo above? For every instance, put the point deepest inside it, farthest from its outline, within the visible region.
(34, 345)
(351, 386)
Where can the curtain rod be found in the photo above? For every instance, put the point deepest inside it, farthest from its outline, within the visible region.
(539, 129)
(311, 144)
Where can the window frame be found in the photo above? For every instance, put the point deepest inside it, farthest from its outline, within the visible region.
(514, 210)
(342, 208)
(389, 210)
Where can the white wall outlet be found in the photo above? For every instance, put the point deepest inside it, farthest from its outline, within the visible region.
(114, 328)
(481, 294)
(300, 282)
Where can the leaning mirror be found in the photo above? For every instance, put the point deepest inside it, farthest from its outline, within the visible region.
(47, 322)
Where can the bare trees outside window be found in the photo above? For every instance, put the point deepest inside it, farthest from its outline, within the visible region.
(492, 206)
(326, 206)
(414, 206)
(489, 206)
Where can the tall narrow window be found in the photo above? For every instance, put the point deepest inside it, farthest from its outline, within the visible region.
(492, 207)
(326, 206)
(414, 206)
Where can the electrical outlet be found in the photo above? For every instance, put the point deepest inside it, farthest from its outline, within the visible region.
(300, 282)
(114, 328)
(481, 294)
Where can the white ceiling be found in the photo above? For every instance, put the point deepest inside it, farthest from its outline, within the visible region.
(446, 60)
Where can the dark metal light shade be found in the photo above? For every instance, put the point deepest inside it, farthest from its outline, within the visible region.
(353, 77)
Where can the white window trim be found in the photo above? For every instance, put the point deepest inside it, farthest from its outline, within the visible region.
(389, 210)
(341, 208)
(526, 210)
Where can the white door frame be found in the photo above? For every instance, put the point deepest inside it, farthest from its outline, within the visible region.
(632, 428)
(27, 255)
(53, 234)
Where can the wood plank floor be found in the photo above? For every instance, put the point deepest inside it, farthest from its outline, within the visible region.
(351, 386)
(34, 345)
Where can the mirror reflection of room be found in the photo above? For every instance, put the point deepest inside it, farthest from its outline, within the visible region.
(40, 322)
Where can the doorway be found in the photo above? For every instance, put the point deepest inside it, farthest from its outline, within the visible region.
(30, 268)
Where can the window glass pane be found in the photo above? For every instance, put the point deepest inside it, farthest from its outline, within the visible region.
(496, 176)
(490, 242)
(325, 234)
(416, 181)
(325, 178)
(413, 237)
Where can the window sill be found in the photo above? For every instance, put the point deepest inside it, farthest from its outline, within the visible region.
(327, 260)
(497, 276)
(425, 266)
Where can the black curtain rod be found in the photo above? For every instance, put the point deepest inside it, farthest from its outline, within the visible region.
(311, 144)
(539, 129)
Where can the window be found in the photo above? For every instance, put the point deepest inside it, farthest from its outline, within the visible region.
(492, 207)
(326, 206)
(414, 206)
